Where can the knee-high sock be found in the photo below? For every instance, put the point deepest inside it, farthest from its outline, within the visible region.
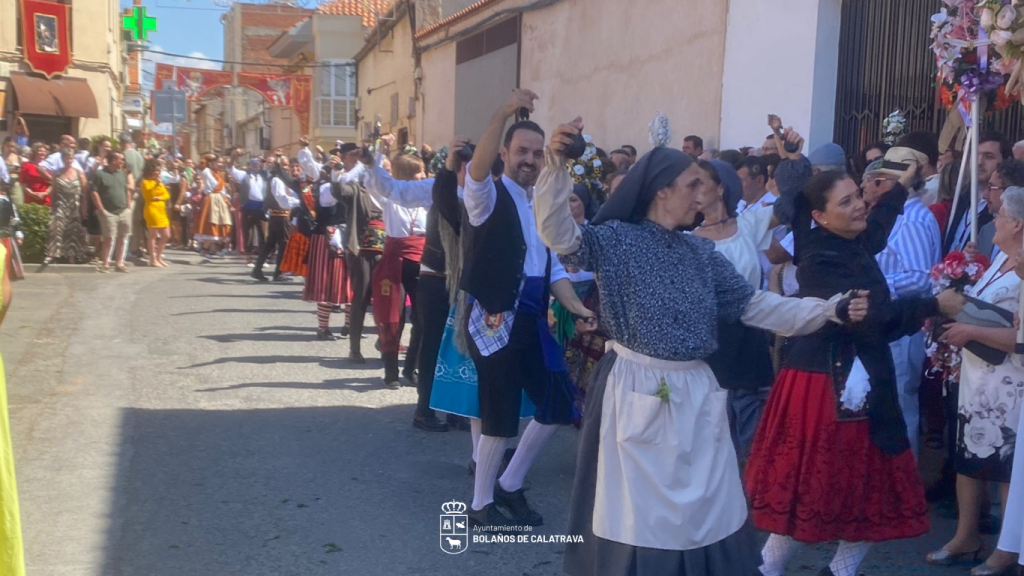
(323, 315)
(489, 454)
(776, 554)
(535, 438)
(475, 430)
(848, 557)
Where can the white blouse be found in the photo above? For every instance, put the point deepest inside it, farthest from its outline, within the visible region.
(744, 247)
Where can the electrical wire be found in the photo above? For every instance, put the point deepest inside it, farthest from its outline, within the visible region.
(205, 59)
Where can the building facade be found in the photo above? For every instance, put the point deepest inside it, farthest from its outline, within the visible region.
(86, 100)
(389, 78)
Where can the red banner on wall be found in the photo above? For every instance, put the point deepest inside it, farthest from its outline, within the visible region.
(164, 72)
(276, 89)
(198, 81)
(46, 40)
(302, 90)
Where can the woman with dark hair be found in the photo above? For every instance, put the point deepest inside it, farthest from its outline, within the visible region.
(156, 196)
(831, 459)
(657, 488)
(66, 233)
(869, 154)
(742, 364)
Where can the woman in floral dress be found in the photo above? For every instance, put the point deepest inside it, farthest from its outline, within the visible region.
(989, 407)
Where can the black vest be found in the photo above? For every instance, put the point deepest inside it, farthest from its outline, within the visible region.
(433, 250)
(495, 254)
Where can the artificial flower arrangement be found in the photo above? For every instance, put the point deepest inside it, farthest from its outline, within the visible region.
(439, 160)
(588, 167)
(957, 271)
(893, 127)
(659, 132)
(976, 46)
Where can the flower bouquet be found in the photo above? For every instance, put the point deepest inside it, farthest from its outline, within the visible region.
(957, 271)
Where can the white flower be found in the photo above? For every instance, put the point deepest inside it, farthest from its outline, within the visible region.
(578, 169)
(587, 138)
(940, 17)
(1006, 17)
(982, 437)
(597, 163)
(988, 17)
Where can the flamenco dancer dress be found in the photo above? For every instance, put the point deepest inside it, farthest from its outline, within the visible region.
(214, 221)
(831, 459)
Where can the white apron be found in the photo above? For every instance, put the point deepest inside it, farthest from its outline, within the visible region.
(667, 475)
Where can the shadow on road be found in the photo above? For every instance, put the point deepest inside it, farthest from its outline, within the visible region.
(300, 491)
(363, 384)
(245, 311)
(332, 362)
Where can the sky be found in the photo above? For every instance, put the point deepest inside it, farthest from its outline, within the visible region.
(187, 27)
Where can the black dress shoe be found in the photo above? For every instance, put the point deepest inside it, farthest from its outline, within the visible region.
(429, 423)
(325, 335)
(282, 279)
(411, 378)
(516, 505)
(392, 384)
(259, 276)
(492, 521)
(336, 310)
(356, 357)
(344, 330)
(460, 423)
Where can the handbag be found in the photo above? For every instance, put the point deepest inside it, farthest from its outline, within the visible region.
(984, 314)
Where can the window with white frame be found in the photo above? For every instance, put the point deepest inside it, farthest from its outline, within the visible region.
(336, 103)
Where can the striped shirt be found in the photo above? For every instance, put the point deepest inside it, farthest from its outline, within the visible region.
(913, 248)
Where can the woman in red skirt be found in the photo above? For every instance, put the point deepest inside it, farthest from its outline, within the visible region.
(326, 278)
(831, 459)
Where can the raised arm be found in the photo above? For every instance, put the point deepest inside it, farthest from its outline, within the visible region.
(238, 175)
(310, 167)
(285, 197)
(406, 193)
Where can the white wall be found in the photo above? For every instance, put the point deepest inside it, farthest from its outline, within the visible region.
(780, 57)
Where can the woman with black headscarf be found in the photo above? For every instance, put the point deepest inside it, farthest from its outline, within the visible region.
(657, 488)
(743, 363)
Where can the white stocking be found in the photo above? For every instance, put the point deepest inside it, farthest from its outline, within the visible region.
(848, 557)
(776, 554)
(535, 438)
(489, 453)
(475, 430)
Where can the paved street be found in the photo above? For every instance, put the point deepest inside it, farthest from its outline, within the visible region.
(185, 422)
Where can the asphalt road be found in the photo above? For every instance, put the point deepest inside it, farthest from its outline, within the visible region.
(185, 421)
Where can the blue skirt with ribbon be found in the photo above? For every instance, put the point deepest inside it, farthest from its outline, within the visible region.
(455, 380)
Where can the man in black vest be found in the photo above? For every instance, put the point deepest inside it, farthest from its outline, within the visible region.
(509, 275)
(252, 189)
(285, 194)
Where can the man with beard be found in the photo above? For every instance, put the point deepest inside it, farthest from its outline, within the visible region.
(993, 148)
(508, 275)
(285, 188)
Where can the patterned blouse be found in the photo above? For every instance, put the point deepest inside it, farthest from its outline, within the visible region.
(662, 292)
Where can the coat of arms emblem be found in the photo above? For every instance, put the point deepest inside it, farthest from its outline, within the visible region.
(454, 528)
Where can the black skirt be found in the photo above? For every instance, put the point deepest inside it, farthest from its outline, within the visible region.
(737, 555)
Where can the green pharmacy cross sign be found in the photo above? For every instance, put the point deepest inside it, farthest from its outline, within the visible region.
(138, 23)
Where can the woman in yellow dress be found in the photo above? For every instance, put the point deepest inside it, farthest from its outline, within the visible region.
(156, 196)
(12, 552)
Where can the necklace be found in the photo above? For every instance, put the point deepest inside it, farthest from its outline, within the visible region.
(719, 223)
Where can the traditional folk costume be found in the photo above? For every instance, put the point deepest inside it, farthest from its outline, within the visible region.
(743, 362)
(10, 234)
(397, 273)
(657, 488)
(327, 279)
(831, 459)
(12, 549)
(252, 188)
(364, 243)
(302, 223)
(214, 220)
(285, 197)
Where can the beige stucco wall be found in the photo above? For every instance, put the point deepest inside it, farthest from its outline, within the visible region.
(615, 63)
(96, 56)
(335, 39)
(437, 96)
(378, 69)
